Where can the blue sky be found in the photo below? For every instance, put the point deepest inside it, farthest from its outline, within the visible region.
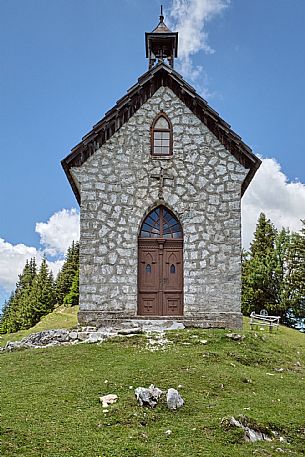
(64, 63)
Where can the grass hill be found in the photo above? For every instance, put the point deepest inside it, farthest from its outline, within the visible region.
(61, 317)
(51, 403)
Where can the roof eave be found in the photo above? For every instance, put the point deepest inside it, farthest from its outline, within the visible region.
(250, 175)
(66, 168)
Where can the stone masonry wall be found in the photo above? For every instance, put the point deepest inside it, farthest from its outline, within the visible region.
(117, 191)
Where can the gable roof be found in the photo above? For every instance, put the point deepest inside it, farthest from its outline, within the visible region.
(137, 95)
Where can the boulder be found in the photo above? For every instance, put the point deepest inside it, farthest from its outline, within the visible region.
(12, 345)
(252, 432)
(46, 337)
(235, 336)
(94, 337)
(174, 399)
(109, 399)
(82, 336)
(148, 397)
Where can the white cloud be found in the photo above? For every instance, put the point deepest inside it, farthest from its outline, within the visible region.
(56, 236)
(189, 18)
(12, 260)
(58, 233)
(270, 192)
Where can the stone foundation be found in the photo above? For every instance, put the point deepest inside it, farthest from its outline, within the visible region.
(208, 320)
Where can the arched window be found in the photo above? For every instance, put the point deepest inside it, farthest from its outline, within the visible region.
(161, 136)
(172, 269)
(161, 223)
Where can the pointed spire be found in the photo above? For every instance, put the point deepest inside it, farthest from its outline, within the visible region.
(161, 15)
(161, 27)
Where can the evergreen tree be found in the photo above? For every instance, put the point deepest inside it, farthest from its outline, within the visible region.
(40, 299)
(23, 290)
(294, 290)
(37, 293)
(12, 320)
(6, 315)
(273, 273)
(259, 289)
(72, 298)
(66, 275)
(264, 238)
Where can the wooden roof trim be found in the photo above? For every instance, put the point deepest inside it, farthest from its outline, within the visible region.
(139, 93)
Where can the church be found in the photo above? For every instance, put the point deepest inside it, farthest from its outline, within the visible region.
(159, 181)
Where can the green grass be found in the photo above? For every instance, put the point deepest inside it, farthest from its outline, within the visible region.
(61, 317)
(51, 403)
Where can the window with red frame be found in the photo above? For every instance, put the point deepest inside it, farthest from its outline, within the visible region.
(161, 136)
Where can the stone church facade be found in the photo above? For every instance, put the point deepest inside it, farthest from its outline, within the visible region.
(159, 180)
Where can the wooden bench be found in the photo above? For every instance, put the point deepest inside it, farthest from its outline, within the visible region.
(263, 320)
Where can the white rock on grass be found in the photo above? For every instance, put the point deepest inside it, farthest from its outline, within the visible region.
(95, 337)
(250, 434)
(174, 399)
(109, 399)
(148, 397)
(235, 336)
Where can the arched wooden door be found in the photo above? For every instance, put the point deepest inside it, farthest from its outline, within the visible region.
(160, 270)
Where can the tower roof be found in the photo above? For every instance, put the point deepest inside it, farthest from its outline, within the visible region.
(161, 27)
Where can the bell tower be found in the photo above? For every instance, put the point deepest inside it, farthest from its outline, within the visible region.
(161, 44)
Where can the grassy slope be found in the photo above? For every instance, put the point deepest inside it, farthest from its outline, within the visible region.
(51, 405)
(61, 317)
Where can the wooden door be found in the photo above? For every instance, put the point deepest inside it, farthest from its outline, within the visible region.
(149, 278)
(160, 271)
(172, 278)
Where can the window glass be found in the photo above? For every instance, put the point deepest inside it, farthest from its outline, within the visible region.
(158, 135)
(162, 123)
(161, 137)
(160, 223)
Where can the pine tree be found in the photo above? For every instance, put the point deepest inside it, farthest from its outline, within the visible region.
(279, 274)
(264, 238)
(259, 288)
(23, 290)
(273, 272)
(72, 298)
(6, 321)
(41, 298)
(295, 279)
(12, 321)
(37, 293)
(66, 275)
